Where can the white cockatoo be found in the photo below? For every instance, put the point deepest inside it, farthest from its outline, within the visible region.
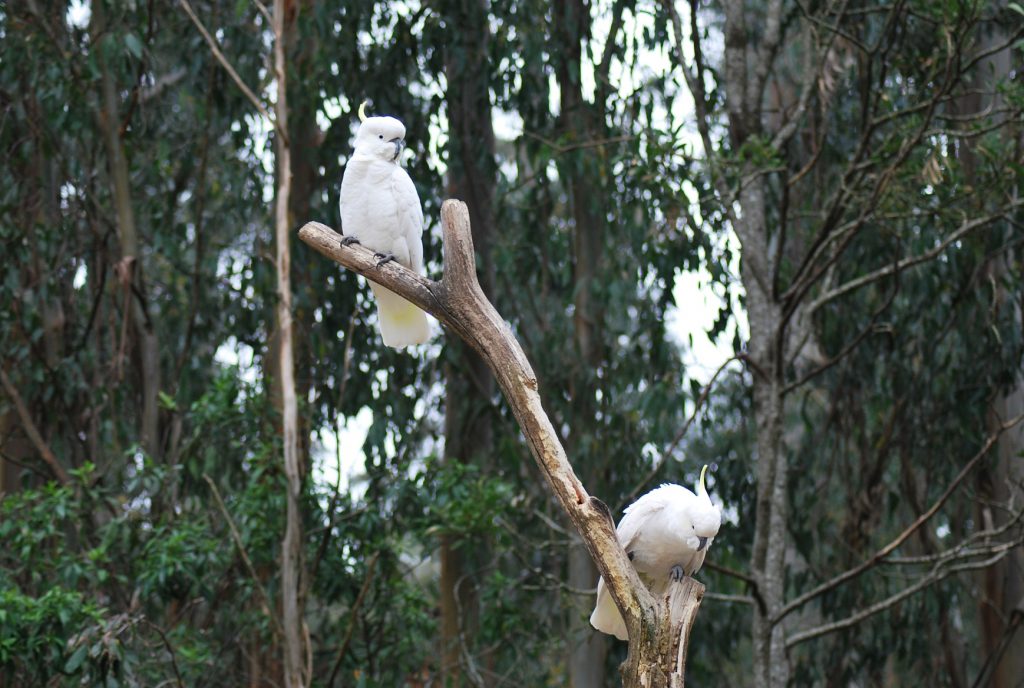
(666, 534)
(380, 209)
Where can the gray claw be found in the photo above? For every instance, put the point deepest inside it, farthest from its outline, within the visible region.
(349, 240)
(677, 574)
(383, 258)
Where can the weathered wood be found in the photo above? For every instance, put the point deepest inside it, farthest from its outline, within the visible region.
(458, 302)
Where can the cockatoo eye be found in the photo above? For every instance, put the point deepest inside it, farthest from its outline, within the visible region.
(380, 136)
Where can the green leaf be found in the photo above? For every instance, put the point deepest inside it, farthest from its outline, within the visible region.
(134, 45)
(167, 401)
(76, 659)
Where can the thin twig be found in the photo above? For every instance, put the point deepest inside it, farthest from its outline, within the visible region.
(336, 496)
(264, 599)
(352, 617)
(678, 438)
(901, 538)
(170, 650)
(735, 599)
(996, 655)
(854, 619)
(878, 274)
(32, 431)
(264, 11)
(215, 49)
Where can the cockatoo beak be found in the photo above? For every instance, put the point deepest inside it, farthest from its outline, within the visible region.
(398, 143)
(702, 542)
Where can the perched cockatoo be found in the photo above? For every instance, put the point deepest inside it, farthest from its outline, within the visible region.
(666, 534)
(380, 209)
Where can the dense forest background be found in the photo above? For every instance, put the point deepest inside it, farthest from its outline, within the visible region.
(839, 177)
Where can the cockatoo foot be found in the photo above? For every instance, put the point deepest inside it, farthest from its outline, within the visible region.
(348, 240)
(383, 258)
(677, 574)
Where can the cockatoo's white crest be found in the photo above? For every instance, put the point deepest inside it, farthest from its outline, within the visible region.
(381, 210)
(666, 533)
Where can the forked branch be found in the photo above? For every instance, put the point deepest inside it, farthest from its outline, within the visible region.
(458, 302)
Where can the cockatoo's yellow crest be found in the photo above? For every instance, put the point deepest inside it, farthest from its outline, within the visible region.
(362, 110)
(703, 486)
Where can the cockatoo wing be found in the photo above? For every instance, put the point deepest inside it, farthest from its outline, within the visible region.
(409, 218)
(636, 517)
(383, 212)
(606, 617)
(401, 323)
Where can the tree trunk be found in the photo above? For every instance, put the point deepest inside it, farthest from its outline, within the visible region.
(1001, 599)
(295, 673)
(580, 173)
(588, 649)
(768, 560)
(469, 386)
(131, 267)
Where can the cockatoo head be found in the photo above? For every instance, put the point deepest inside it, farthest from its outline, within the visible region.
(379, 137)
(705, 517)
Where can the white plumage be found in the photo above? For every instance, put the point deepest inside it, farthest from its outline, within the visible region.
(666, 533)
(380, 209)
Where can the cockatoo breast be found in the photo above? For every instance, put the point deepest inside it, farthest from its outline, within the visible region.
(373, 217)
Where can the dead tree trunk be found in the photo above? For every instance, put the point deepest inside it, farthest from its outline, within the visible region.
(659, 629)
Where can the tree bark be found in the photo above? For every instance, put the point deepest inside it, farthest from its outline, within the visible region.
(581, 173)
(764, 314)
(458, 302)
(469, 386)
(1001, 602)
(295, 673)
(132, 273)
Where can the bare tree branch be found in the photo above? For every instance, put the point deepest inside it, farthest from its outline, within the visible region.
(789, 128)
(678, 438)
(961, 232)
(735, 599)
(878, 556)
(264, 11)
(237, 538)
(170, 650)
(367, 579)
(695, 83)
(32, 431)
(459, 303)
(160, 84)
(215, 49)
(852, 620)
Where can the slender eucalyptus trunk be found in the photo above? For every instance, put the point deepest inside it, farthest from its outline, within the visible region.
(581, 174)
(765, 317)
(470, 387)
(1001, 605)
(131, 267)
(295, 661)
